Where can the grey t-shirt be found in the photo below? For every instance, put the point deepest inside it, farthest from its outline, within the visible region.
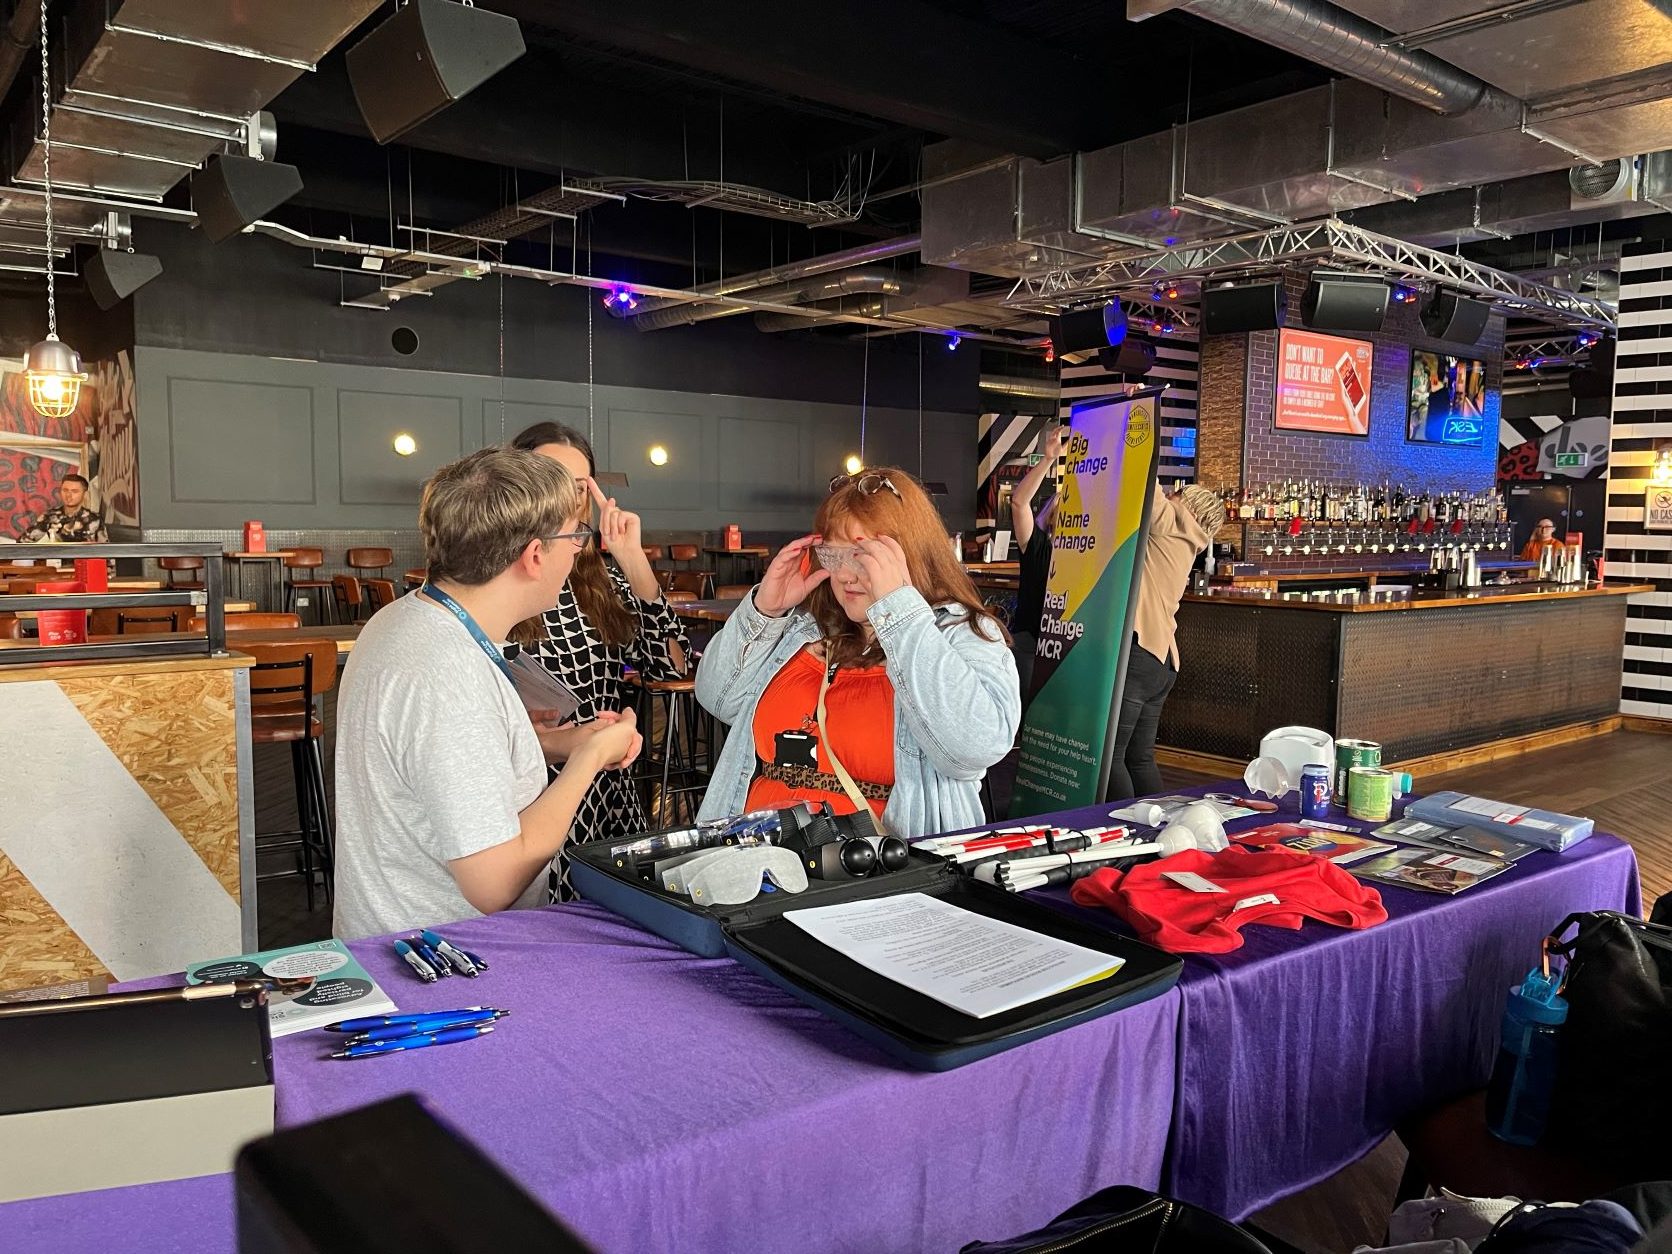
(435, 758)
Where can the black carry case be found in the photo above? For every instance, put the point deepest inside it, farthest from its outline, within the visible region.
(917, 1030)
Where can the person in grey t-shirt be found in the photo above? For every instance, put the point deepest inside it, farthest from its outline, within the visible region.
(443, 811)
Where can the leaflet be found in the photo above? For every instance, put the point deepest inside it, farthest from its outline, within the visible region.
(1430, 870)
(342, 988)
(974, 964)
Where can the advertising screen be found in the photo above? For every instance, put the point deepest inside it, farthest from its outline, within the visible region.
(1323, 383)
(1448, 400)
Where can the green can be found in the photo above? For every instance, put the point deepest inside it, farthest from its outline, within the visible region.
(1370, 794)
(1351, 753)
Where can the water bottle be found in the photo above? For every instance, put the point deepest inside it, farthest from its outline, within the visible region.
(1518, 1097)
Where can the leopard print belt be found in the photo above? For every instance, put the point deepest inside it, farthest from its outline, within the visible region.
(822, 781)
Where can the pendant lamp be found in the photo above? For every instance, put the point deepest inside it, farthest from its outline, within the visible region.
(52, 367)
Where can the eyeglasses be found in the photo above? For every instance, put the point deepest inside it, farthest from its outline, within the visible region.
(580, 537)
(864, 484)
(833, 557)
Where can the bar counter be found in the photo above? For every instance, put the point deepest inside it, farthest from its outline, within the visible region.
(1425, 674)
(126, 838)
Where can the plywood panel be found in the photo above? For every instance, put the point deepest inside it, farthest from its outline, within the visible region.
(36, 946)
(175, 735)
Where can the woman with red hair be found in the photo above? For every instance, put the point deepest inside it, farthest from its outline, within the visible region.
(863, 668)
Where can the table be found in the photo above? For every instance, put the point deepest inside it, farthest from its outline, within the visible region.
(275, 583)
(565, 1095)
(1270, 1030)
(756, 553)
(343, 635)
(709, 611)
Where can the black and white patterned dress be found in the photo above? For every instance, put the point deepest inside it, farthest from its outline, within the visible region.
(592, 670)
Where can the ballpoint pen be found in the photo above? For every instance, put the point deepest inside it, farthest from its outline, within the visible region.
(460, 960)
(384, 1021)
(413, 959)
(399, 1031)
(429, 954)
(372, 1049)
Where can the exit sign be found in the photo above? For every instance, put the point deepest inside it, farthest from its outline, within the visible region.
(1570, 459)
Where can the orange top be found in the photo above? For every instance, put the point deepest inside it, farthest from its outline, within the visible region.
(859, 715)
(1535, 547)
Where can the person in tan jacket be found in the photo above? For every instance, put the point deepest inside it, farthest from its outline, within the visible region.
(1181, 526)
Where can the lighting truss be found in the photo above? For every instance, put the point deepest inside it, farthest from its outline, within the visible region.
(1545, 351)
(1328, 240)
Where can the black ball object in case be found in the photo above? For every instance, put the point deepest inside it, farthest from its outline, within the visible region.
(831, 850)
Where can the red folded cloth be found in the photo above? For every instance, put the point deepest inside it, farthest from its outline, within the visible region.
(1279, 887)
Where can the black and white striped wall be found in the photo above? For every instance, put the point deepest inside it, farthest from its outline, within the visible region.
(1642, 418)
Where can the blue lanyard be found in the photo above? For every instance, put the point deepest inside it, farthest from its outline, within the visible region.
(476, 633)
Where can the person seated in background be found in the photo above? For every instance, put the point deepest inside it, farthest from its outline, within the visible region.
(70, 521)
(443, 809)
(1181, 527)
(1543, 537)
(1033, 536)
(863, 666)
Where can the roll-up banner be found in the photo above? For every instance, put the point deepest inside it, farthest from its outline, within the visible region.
(1085, 633)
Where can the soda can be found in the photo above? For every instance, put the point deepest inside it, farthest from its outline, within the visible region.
(1351, 753)
(1370, 794)
(1315, 791)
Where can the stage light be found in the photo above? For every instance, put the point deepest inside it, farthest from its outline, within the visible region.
(621, 299)
(1170, 241)
(1585, 339)
(952, 342)
(1404, 295)
(1050, 351)
(1165, 290)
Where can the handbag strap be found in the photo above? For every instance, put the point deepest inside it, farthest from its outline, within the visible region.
(841, 772)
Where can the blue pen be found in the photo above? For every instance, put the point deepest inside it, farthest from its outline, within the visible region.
(452, 953)
(413, 959)
(384, 1021)
(479, 964)
(372, 1049)
(436, 960)
(435, 1023)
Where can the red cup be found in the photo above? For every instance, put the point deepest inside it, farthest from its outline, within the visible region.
(62, 626)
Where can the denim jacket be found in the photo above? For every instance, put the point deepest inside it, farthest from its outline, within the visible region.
(957, 704)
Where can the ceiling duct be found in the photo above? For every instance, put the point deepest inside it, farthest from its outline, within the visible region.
(929, 296)
(801, 292)
(1334, 38)
(152, 88)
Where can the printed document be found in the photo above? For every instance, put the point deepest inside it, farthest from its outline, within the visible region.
(974, 964)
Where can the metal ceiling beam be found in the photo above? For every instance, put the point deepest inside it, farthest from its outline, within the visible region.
(867, 58)
(1288, 246)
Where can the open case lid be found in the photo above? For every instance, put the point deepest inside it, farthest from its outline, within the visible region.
(88, 1051)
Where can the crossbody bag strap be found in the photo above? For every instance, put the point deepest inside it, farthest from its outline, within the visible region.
(841, 772)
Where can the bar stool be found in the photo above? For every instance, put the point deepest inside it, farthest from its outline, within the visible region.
(347, 597)
(362, 560)
(306, 562)
(696, 582)
(112, 622)
(170, 566)
(679, 758)
(286, 684)
(379, 592)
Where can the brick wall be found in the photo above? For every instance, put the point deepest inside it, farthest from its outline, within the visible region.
(1267, 455)
(1222, 392)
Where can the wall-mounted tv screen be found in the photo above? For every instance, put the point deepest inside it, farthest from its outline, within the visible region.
(1323, 383)
(1448, 400)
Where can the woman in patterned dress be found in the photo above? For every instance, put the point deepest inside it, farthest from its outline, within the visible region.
(610, 613)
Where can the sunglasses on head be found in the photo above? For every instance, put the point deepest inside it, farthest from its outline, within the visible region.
(864, 483)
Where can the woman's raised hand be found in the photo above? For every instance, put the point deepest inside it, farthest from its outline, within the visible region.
(785, 585)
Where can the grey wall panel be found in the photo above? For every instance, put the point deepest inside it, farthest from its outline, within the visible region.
(367, 424)
(760, 462)
(240, 442)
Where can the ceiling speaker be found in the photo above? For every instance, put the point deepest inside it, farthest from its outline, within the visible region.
(1455, 318)
(1131, 360)
(113, 276)
(428, 55)
(1253, 307)
(1345, 302)
(232, 192)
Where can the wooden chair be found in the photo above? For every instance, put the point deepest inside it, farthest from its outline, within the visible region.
(677, 596)
(684, 552)
(301, 572)
(360, 561)
(379, 592)
(171, 566)
(733, 591)
(138, 622)
(696, 582)
(254, 621)
(654, 552)
(11, 627)
(286, 684)
(348, 597)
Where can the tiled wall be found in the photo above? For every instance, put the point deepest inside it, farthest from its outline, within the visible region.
(1268, 455)
(1642, 421)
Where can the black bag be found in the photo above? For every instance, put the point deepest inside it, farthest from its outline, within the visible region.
(1128, 1220)
(1612, 1100)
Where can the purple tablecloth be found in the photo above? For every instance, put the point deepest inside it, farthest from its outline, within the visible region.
(1301, 1050)
(658, 1101)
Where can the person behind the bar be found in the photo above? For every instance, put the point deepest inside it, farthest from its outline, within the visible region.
(1543, 537)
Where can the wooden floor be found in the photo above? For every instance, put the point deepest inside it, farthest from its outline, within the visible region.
(1623, 781)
